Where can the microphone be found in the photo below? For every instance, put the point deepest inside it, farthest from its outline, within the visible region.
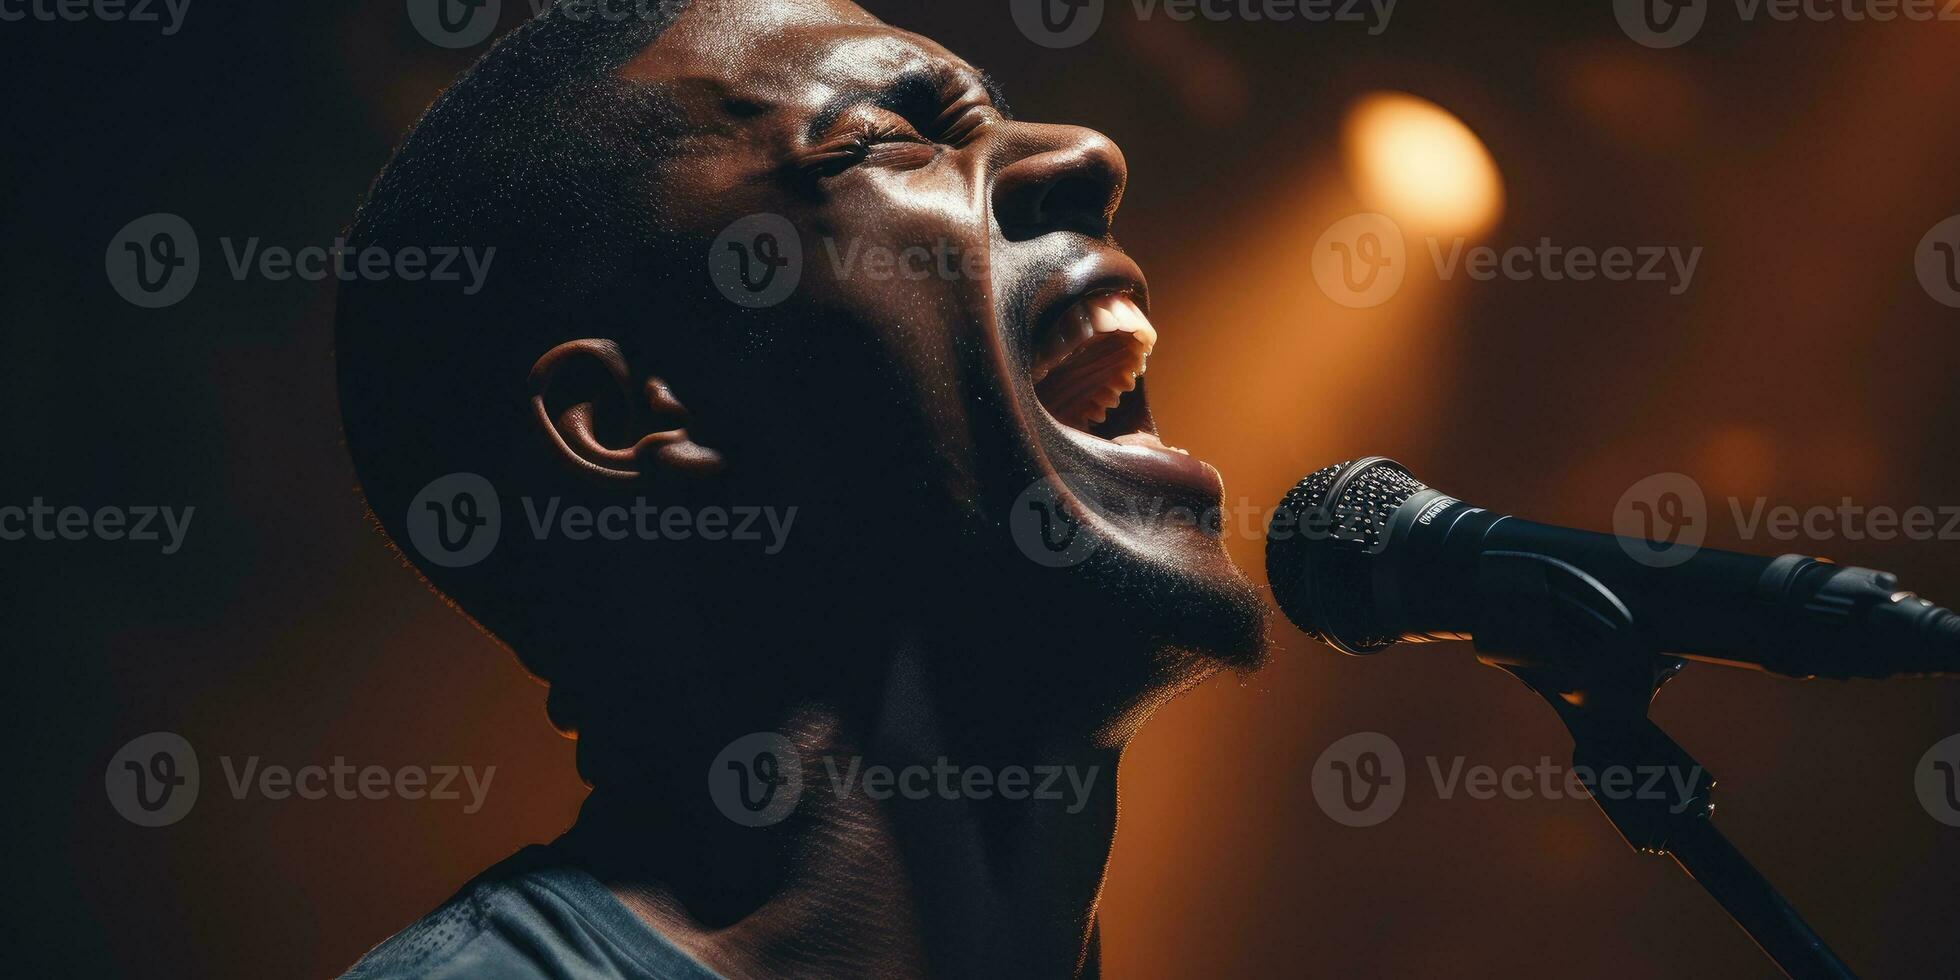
(1363, 555)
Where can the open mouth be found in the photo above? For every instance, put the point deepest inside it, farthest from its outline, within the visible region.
(1088, 365)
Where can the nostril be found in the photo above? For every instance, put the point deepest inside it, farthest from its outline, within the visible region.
(1077, 203)
(1071, 183)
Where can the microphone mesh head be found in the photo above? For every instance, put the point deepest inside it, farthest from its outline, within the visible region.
(1321, 544)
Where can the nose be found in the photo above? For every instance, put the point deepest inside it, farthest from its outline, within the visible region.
(1063, 178)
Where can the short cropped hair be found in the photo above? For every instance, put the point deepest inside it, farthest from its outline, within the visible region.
(542, 152)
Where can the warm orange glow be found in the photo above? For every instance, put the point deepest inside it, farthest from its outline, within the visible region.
(1411, 159)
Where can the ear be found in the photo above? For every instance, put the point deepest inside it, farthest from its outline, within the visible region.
(610, 422)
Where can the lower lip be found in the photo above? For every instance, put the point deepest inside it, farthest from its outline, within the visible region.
(1187, 477)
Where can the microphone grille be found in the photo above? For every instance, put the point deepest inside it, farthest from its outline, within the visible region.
(1320, 546)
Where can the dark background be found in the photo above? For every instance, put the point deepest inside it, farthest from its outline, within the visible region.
(1805, 364)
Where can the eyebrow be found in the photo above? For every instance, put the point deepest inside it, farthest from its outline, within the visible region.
(917, 94)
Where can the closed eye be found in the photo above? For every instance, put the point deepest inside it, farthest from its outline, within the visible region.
(882, 142)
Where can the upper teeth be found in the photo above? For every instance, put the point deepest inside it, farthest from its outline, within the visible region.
(1105, 342)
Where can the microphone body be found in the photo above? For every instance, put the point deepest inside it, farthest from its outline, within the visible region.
(1363, 555)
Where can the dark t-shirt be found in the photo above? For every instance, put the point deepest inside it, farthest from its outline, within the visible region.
(533, 916)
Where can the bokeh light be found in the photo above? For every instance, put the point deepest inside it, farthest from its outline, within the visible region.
(1416, 162)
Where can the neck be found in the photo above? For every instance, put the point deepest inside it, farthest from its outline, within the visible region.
(921, 845)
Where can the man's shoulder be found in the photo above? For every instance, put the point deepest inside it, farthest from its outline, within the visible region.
(531, 917)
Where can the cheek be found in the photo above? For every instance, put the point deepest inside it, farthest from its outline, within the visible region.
(908, 248)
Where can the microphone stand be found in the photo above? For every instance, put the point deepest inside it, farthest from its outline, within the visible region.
(1568, 638)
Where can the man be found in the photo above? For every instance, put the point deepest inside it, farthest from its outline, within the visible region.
(989, 564)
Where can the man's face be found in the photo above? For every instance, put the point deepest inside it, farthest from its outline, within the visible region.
(965, 338)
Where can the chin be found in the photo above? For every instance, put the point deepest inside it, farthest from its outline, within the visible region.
(1189, 607)
(1146, 622)
(1147, 572)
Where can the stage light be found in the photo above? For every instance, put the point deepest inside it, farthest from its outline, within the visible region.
(1416, 162)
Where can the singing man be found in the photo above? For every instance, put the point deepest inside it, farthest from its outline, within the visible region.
(778, 255)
